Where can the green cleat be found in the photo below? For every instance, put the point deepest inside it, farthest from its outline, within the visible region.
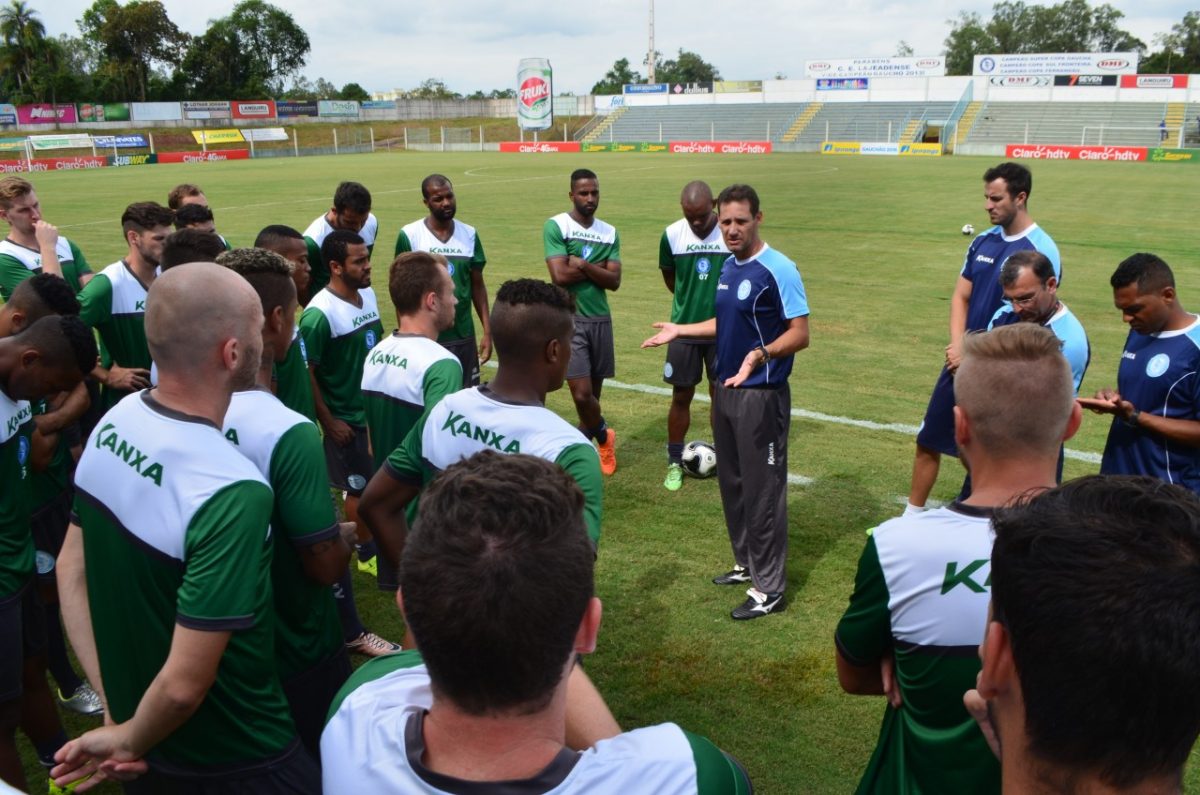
(674, 481)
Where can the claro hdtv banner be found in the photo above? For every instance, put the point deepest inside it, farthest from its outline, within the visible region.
(674, 147)
(1063, 152)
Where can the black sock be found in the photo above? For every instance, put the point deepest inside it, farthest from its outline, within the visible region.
(343, 591)
(366, 551)
(47, 750)
(675, 452)
(600, 432)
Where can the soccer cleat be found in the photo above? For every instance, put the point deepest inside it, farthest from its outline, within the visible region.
(735, 576)
(84, 700)
(674, 481)
(608, 452)
(758, 605)
(369, 644)
(369, 566)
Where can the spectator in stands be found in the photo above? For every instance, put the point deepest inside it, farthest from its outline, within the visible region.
(1162, 130)
(1090, 657)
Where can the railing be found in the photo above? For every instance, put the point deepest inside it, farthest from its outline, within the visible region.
(1165, 134)
(956, 113)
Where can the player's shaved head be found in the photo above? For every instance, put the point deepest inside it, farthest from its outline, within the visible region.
(192, 310)
(528, 313)
(44, 294)
(433, 181)
(267, 272)
(696, 193)
(52, 355)
(1016, 389)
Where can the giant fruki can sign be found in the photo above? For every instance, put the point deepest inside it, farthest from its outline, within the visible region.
(535, 94)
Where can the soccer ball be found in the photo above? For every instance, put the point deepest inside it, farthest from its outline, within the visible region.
(968, 229)
(699, 459)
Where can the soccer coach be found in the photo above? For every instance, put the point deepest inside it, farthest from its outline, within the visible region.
(761, 321)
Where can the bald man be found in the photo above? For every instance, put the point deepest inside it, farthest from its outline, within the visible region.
(165, 573)
(690, 257)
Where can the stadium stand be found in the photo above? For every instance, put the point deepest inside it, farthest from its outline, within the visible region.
(749, 122)
(872, 121)
(1066, 122)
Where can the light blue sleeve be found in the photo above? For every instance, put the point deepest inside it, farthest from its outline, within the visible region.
(1003, 310)
(1074, 345)
(1042, 242)
(787, 279)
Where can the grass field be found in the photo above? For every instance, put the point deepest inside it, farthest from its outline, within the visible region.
(878, 243)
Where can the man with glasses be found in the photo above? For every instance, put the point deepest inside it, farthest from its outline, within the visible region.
(976, 298)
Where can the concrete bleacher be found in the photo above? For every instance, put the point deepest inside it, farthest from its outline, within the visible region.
(1066, 122)
(870, 121)
(746, 122)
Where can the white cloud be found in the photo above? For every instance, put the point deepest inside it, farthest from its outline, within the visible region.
(472, 44)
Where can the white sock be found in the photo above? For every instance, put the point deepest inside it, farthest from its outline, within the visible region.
(913, 510)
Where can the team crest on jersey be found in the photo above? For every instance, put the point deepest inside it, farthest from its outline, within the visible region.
(668, 370)
(1158, 365)
(744, 290)
(371, 338)
(303, 350)
(703, 265)
(22, 450)
(587, 250)
(450, 268)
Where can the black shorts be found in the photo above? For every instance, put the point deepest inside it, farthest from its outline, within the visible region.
(310, 693)
(467, 352)
(592, 349)
(49, 523)
(294, 771)
(350, 467)
(687, 362)
(22, 635)
(937, 429)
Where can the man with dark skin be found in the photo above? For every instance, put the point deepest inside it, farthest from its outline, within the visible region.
(690, 257)
(52, 355)
(583, 255)
(439, 233)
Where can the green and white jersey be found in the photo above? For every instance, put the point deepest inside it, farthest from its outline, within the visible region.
(477, 419)
(697, 266)
(374, 742)
(337, 337)
(563, 237)
(18, 263)
(44, 486)
(463, 253)
(176, 531)
(114, 303)
(403, 378)
(286, 448)
(16, 541)
(315, 235)
(292, 383)
(922, 590)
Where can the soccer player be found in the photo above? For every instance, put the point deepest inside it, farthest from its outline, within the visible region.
(1093, 626)
(1156, 405)
(921, 593)
(977, 296)
(690, 257)
(187, 194)
(440, 233)
(310, 552)
(114, 303)
(532, 329)
(351, 212)
(166, 577)
(55, 444)
(340, 326)
(497, 586)
(408, 373)
(583, 255)
(33, 245)
(761, 322)
(195, 216)
(190, 245)
(51, 355)
(292, 383)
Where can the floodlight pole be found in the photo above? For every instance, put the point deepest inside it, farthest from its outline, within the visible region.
(650, 55)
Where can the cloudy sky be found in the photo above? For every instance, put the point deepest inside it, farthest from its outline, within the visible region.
(475, 44)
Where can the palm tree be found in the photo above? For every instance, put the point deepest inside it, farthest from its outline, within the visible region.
(24, 38)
